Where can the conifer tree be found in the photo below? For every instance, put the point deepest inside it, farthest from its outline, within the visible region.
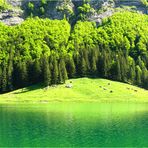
(118, 69)
(70, 66)
(36, 71)
(143, 70)
(0, 78)
(123, 68)
(10, 70)
(145, 85)
(93, 67)
(83, 67)
(144, 58)
(104, 63)
(138, 75)
(9, 75)
(77, 63)
(144, 75)
(23, 74)
(4, 78)
(132, 72)
(62, 71)
(140, 62)
(46, 72)
(55, 72)
(93, 62)
(85, 55)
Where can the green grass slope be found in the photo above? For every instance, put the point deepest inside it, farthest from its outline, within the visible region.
(83, 90)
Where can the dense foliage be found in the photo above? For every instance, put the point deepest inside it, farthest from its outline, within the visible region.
(4, 5)
(49, 51)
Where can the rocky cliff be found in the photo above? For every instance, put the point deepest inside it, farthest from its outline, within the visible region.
(57, 9)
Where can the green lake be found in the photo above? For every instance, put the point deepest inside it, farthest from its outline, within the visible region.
(74, 125)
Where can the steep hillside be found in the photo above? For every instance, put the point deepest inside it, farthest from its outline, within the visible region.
(50, 51)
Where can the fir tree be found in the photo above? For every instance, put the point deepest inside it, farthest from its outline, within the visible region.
(4, 78)
(0, 78)
(118, 69)
(70, 66)
(46, 72)
(138, 75)
(145, 84)
(36, 71)
(9, 76)
(83, 67)
(132, 72)
(77, 63)
(10, 70)
(93, 62)
(104, 64)
(23, 74)
(62, 71)
(123, 68)
(55, 72)
(144, 75)
(85, 55)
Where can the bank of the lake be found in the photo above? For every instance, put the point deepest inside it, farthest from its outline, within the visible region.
(82, 90)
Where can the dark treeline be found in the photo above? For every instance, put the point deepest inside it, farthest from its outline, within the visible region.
(48, 52)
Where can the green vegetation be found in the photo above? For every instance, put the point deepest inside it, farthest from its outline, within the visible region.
(83, 90)
(63, 8)
(84, 11)
(145, 2)
(4, 5)
(49, 51)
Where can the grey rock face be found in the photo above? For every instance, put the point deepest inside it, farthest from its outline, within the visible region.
(137, 3)
(11, 17)
(98, 17)
(15, 3)
(57, 8)
(13, 21)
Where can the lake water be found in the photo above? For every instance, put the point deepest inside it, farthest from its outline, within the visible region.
(57, 124)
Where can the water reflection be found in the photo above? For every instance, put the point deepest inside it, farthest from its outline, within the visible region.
(74, 125)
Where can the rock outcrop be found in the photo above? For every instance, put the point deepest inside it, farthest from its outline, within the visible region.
(137, 3)
(11, 17)
(56, 9)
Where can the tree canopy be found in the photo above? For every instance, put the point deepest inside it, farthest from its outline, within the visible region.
(50, 51)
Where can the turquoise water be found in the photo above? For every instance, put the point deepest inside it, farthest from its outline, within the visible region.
(116, 125)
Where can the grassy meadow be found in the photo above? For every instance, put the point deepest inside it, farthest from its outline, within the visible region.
(83, 90)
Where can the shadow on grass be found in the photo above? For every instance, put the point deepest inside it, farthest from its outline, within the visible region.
(29, 88)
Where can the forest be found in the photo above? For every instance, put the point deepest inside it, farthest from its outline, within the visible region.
(51, 51)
